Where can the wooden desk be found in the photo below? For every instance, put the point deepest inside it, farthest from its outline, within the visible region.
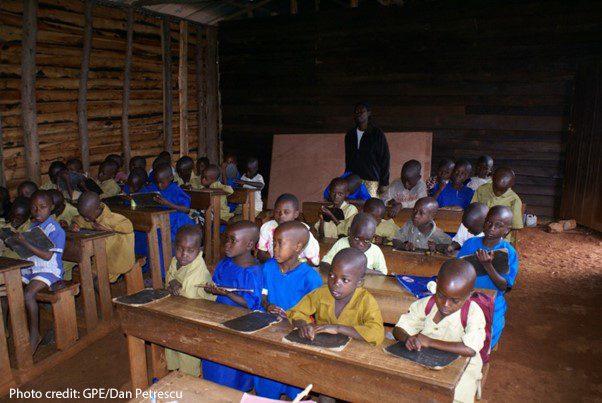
(246, 198)
(150, 220)
(80, 248)
(358, 373)
(209, 200)
(10, 276)
(447, 219)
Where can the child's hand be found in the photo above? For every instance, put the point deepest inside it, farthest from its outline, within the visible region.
(413, 344)
(215, 290)
(162, 201)
(431, 245)
(409, 246)
(63, 224)
(307, 331)
(276, 310)
(20, 238)
(449, 250)
(484, 257)
(331, 329)
(425, 341)
(74, 227)
(238, 182)
(378, 240)
(174, 287)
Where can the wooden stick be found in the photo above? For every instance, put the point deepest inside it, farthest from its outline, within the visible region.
(82, 112)
(127, 72)
(28, 90)
(229, 289)
(212, 91)
(200, 94)
(183, 88)
(167, 86)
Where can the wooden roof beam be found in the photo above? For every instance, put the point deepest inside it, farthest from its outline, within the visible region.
(241, 12)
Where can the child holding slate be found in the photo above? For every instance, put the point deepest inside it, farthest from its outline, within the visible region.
(285, 282)
(209, 180)
(239, 270)
(136, 182)
(334, 227)
(186, 177)
(360, 237)
(473, 219)
(186, 272)
(286, 209)
(496, 227)
(18, 221)
(421, 232)
(106, 179)
(444, 328)
(342, 307)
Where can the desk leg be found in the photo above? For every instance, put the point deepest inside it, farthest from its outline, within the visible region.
(252, 206)
(165, 227)
(18, 319)
(138, 370)
(207, 227)
(104, 288)
(87, 288)
(155, 263)
(216, 224)
(158, 361)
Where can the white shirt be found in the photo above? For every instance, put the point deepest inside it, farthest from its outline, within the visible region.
(475, 182)
(463, 235)
(258, 201)
(266, 243)
(360, 134)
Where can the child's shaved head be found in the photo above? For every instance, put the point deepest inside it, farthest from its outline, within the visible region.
(138, 162)
(290, 198)
(55, 168)
(184, 163)
(163, 171)
(191, 232)
(424, 211)
(503, 179)
(338, 182)
(411, 168)
(474, 217)
(75, 165)
(107, 170)
(457, 277)
(361, 231)
(352, 260)
(88, 205)
(247, 228)
(502, 212)
(375, 207)
(294, 230)
(58, 200)
(428, 203)
(26, 188)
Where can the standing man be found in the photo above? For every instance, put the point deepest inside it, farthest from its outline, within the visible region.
(367, 152)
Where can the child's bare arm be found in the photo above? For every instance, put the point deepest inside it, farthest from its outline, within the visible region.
(339, 329)
(400, 334)
(161, 200)
(42, 254)
(255, 184)
(453, 347)
(215, 290)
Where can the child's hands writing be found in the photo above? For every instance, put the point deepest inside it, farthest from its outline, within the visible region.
(276, 310)
(417, 342)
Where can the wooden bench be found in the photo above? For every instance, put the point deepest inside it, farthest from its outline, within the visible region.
(246, 199)
(191, 389)
(209, 200)
(62, 297)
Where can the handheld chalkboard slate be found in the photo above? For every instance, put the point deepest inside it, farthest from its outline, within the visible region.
(336, 342)
(500, 262)
(35, 237)
(252, 322)
(427, 357)
(119, 200)
(146, 199)
(143, 297)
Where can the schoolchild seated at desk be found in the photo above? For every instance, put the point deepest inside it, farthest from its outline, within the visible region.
(119, 246)
(455, 193)
(18, 221)
(251, 179)
(137, 162)
(137, 181)
(442, 328)
(75, 165)
(386, 229)
(26, 189)
(286, 209)
(357, 190)
(239, 270)
(473, 219)
(186, 177)
(420, 231)
(164, 157)
(483, 171)
(496, 227)
(201, 164)
(120, 176)
(334, 227)
(63, 213)
(343, 306)
(444, 171)
(209, 180)
(285, 282)
(54, 170)
(186, 271)
(361, 233)
(106, 179)
(405, 191)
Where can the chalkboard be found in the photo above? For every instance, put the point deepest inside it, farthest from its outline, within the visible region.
(143, 297)
(252, 322)
(119, 200)
(146, 199)
(35, 237)
(90, 184)
(427, 357)
(335, 342)
(500, 262)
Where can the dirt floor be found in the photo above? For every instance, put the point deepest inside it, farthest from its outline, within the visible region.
(551, 348)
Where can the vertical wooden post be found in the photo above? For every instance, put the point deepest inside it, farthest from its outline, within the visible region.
(82, 112)
(200, 95)
(294, 7)
(28, 90)
(127, 72)
(183, 88)
(167, 86)
(212, 97)
(2, 172)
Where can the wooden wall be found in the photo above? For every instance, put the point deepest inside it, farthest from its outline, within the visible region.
(494, 78)
(58, 62)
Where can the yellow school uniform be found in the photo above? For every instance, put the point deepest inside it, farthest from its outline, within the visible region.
(195, 181)
(450, 329)
(387, 229)
(48, 185)
(333, 231)
(375, 257)
(189, 276)
(68, 214)
(119, 246)
(361, 313)
(109, 188)
(224, 210)
(485, 195)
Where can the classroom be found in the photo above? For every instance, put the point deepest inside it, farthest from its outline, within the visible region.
(300, 200)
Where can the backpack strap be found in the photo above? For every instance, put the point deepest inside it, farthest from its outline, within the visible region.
(429, 305)
(464, 312)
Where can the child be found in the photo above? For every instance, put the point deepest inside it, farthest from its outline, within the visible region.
(404, 192)
(121, 176)
(420, 231)
(106, 179)
(483, 172)
(443, 329)
(499, 192)
(361, 232)
(26, 189)
(251, 179)
(201, 164)
(285, 282)
(338, 193)
(186, 271)
(357, 190)
(163, 158)
(286, 209)
(62, 212)
(119, 246)
(238, 269)
(18, 220)
(444, 171)
(455, 193)
(342, 307)
(54, 170)
(229, 170)
(138, 162)
(137, 180)
(186, 177)
(385, 229)
(471, 225)
(496, 227)
(75, 165)
(47, 266)
(209, 180)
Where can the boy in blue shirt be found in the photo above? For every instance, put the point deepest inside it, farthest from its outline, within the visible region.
(455, 193)
(497, 225)
(357, 190)
(285, 282)
(239, 269)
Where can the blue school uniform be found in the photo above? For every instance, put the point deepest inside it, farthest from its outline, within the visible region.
(228, 274)
(452, 197)
(285, 290)
(175, 195)
(470, 247)
(47, 271)
(360, 194)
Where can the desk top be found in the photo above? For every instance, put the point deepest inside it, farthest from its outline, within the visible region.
(87, 236)
(8, 264)
(142, 210)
